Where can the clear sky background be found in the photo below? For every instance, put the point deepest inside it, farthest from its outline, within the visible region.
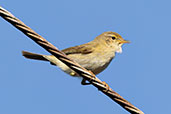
(141, 74)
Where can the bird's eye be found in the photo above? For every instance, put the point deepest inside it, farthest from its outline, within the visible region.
(113, 37)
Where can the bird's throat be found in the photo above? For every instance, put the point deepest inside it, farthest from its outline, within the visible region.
(119, 50)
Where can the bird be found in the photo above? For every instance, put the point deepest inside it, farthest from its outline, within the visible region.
(95, 55)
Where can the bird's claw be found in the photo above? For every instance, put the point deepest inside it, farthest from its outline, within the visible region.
(106, 85)
(83, 82)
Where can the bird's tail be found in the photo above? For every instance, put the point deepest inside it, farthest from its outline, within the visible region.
(52, 59)
(34, 56)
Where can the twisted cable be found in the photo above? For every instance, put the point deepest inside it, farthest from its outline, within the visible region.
(73, 65)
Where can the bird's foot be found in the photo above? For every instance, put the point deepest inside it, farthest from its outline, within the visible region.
(106, 85)
(83, 82)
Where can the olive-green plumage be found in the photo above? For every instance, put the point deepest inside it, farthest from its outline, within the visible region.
(94, 56)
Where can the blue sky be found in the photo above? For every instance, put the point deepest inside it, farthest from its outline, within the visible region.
(141, 74)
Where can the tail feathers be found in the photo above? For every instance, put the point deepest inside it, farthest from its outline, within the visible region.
(33, 56)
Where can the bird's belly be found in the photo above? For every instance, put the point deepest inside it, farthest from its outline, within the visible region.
(95, 64)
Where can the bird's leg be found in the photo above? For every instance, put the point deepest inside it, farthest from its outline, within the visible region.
(83, 82)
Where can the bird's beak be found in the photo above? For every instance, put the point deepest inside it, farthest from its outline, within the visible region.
(124, 41)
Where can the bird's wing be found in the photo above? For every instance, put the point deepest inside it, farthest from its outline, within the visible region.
(81, 49)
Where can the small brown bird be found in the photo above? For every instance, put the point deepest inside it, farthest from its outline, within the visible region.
(94, 56)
